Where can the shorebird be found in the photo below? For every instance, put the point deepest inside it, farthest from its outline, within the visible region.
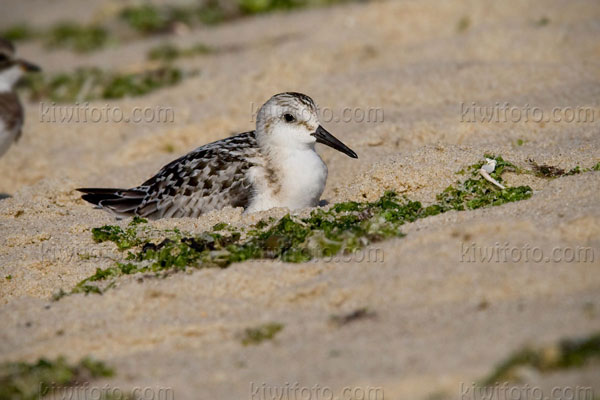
(275, 165)
(11, 111)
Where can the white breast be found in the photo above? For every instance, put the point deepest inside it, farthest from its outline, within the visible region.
(9, 78)
(300, 180)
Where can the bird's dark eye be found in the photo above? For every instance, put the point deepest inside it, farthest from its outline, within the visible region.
(3, 57)
(289, 118)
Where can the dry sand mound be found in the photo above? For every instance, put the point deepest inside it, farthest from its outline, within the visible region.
(418, 63)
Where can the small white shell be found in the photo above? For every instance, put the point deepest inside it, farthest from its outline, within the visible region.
(487, 169)
(489, 166)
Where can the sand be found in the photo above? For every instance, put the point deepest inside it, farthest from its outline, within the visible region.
(440, 320)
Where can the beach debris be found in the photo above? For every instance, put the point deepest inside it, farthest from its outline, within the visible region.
(486, 169)
(356, 315)
(550, 171)
(546, 171)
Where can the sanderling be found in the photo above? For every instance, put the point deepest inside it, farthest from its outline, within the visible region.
(275, 165)
(11, 111)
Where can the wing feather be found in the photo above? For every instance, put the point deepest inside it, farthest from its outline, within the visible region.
(210, 177)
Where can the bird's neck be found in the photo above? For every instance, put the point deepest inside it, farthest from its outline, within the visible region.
(286, 158)
(9, 77)
(5, 87)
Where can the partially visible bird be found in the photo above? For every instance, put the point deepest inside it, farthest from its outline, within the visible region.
(275, 165)
(11, 111)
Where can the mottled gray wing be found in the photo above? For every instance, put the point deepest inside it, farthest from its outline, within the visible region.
(211, 177)
(12, 118)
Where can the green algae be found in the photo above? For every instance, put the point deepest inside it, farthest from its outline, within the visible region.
(76, 37)
(144, 19)
(475, 192)
(257, 335)
(568, 353)
(147, 18)
(169, 52)
(28, 381)
(150, 19)
(123, 238)
(251, 7)
(463, 24)
(66, 35)
(543, 21)
(472, 194)
(344, 228)
(86, 84)
(19, 32)
(219, 227)
(265, 6)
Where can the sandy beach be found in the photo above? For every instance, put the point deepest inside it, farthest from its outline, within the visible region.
(441, 316)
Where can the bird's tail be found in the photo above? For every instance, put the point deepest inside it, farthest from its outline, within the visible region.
(119, 201)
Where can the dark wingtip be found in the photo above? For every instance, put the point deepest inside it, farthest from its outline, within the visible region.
(99, 190)
(90, 198)
(96, 195)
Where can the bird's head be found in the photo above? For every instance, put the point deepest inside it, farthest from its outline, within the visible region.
(291, 120)
(11, 69)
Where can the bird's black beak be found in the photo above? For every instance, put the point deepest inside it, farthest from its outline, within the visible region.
(327, 138)
(27, 66)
